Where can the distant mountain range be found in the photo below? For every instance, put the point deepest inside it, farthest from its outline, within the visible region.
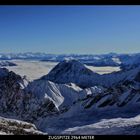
(111, 59)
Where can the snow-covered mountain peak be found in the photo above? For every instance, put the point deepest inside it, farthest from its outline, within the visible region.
(70, 65)
(71, 71)
(71, 61)
(69, 90)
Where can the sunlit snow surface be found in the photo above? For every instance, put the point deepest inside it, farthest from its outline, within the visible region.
(36, 69)
(108, 127)
(107, 121)
(78, 120)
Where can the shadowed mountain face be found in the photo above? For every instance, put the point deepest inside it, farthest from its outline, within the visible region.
(19, 97)
(3, 72)
(125, 89)
(70, 88)
(71, 71)
(16, 101)
(137, 78)
(11, 91)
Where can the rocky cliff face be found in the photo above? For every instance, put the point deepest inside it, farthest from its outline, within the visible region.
(76, 89)
(15, 127)
(15, 101)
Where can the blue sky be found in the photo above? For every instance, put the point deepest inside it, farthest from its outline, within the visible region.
(70, 29)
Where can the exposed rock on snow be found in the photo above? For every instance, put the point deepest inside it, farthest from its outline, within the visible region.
(16, 101)
(62, 95)
(15, 127)
(72, 90)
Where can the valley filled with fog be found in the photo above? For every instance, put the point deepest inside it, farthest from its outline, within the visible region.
(34, 69)
(62, 97)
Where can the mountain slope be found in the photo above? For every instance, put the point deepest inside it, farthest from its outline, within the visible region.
(16, 102)
(115, 126)
(78, 97)
(61, 95)
(98, 103)
(11, 91)
(15, 127)
(72, 71)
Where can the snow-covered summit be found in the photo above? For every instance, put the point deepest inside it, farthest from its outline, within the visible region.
(71, 71)
(70, 66)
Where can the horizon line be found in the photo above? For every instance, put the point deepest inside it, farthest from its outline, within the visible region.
(66, 53)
